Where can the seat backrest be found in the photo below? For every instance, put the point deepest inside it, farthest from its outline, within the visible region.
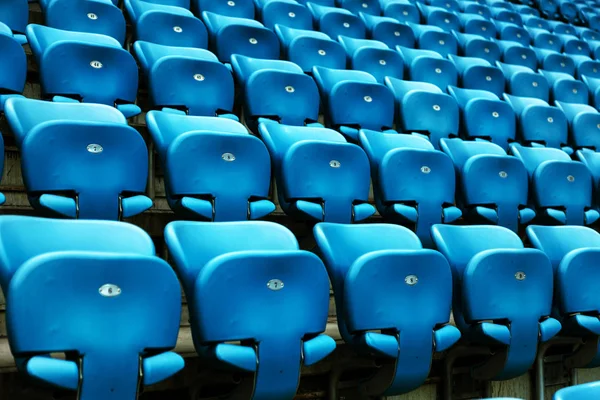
(461, 150)
(587, 390)
(463, 96)
(15, 14)
(238, 8)
(13, 67)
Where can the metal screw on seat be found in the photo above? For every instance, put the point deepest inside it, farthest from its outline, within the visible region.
(292, 15)
(534, 84)
(229, 157)
(483, 28)
(575, 91)
(231, 3)
(502, 174)
(346, 25)
(177, 29)
(550, 119)
(368, 99)
(92, 16)
(524, 56)
(425, 169)
(382, 62)
(94, 148)
(437, 107)
(519, 35)
(411, 280)
(442, 42)
(488, 78)
(335, 164)
(571, 178)
(447, 20)
(563, 64)
(520, 276)
(578, 47)
(404, 12)
(365, 5)
(96, 64)
(322, 52)
(598, 126)
(551, 41)
(199, 77)
(253, 41)
(480, 12)
(486, 50)
(396, 33)
(290, 89)
(438, 70)
(495, 114)
(595, 70)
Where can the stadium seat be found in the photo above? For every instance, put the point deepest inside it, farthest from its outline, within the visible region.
(373, 57)
(80, 160)
(543, 39)
(475, 46)
(88, 67)
(477, 73)
(428, 66)
(517, 54)
(532, 21)
(372, 7)
(562, 28)
(320, 177)
(565, 88)
(484, 116)
(577, 392)
(201, 180)
(504, 15)
(353, 100)
(334, 21)
(277, 294)
(166, 25)
(540, 124)
(401, 10)
(397, 162)
(388, 30)
(561, 189)
(434, 38)
(493, 186)
(524, 82)
(229, 8)
(13, 65)
(308, 48)
(524, 9)
(473, 8)
(584, 125)
(450, 5)
(550, 60)
(477, 25)
(589, 34)
(423, 108)
(15, 14)
(100, 279)
(439, 17)
(585, 66)
(411, 306)
(512, 32)
(502, 295)
(232, 35)
(283, 12)
(189, 80)
(573, 45)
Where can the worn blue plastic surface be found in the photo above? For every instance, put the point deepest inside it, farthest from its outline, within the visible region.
(397, 162)
(167, 25)
(15, 14)
(283, 12)
(254, 258)
(578, 392)
(211, 162)
(373, 57)
(477, 73)
(411, 305)
(496, 279)
(428, 66)
(422, 107)
(13, 66)
(388, 30)
(584, 125)
(276, 89)
(336, 21)
(191, 80)
(237, 8)
(85, 66)
(319, 175)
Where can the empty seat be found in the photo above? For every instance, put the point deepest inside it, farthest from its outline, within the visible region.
(573, 45)
(214, 169)
(353, 100)
(477, 73)
(476, 46)
(275, 89)
(450, 5)
(102, 305)
(186, 79)
(562, 28)
(471, 7)
(320, 177)
(565, 88)
(411, 306)
(283, 12)
(373, 57)
(13, 65)
(308, 48)
(15, 14)
(477, 25)
(504, 15)
(401, 10)
(93, 16)
(502, 295)
(539, 123)
(337, 21)
(536, 22)
(434, 38)
(561, 189)
(232, 35)
(428, 66)
(485, 116)
(517, 54)
(397, 162)
(512, 32)
(524, 9)
(80, 160)
(372, 7)
(88, 67)
(388, 31)
(524, 82)
(551, 60)
(422, 107)
(584, 125)
(543, 39)
(493, 186)
(237, 8)
(439, 17)
(585, 66)
(588, 34)
(586, 390)
(279, 298)
(167, 25)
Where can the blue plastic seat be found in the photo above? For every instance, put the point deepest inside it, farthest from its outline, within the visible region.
(584, 125)
(504, 15)
(373, 57)
(561, 189)
(423, 108)
(588, 34)
(475, 46)
(411, 307)
(450, 5)
(485, 116)
(493, 186)
(535, 22)
(428, 66)
(512, 32)
(372, 7)
(525, 9)
(439, 17)
(502, 295)
(543, 39)
(517, 54)
(13, 65)
(308, 48)
(105, 278)
(397, 162)
(277, 294)
(231, 35)
(334, 21)
(237, 8)
(15, 14)
(88, 67)
(166, 25)
(585, 66)
(471, 7)
(434, 38)
(477, 25)
(190, 80)
(401, 10)
(551, 60)
(586, 390)
(524, 82)
(92, 16)
(354, 100)
(277, 90)
(565, 88)
(320, 177)
(562, 28)
(477, 73)
(283, 12)
(388, 31)
(214, 169)
(593, 85)
(573, 45)
(539, 124)
(80, 160)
